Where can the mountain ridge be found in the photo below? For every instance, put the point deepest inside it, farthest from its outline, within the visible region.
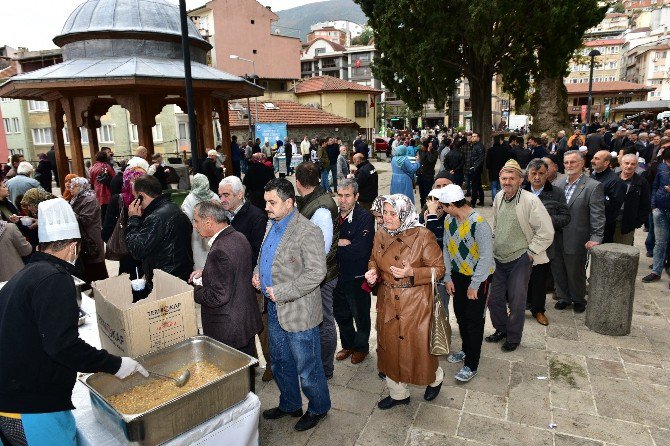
(302, 17)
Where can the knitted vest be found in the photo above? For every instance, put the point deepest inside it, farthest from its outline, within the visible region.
(307, 206)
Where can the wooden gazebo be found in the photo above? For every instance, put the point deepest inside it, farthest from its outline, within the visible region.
(129, 54)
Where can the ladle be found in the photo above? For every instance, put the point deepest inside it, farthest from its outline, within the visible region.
(179, 381)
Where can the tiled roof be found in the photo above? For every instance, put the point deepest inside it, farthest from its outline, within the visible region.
(605, 42)
(336, 46)
(603, 87)
(319, 84)
(292, 113)
(8, 72)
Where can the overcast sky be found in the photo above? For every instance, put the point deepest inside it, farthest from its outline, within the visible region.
(33, 23)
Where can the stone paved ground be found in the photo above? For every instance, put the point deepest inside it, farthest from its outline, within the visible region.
(598, 390)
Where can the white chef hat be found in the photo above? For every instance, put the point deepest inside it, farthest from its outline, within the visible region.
(56, 221)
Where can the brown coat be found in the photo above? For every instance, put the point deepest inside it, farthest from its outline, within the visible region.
(13, 246)
(87, 210)
(404, 311)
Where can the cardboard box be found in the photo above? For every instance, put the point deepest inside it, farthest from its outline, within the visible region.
(164, 318)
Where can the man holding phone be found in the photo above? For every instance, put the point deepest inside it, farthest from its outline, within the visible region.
(158, 232)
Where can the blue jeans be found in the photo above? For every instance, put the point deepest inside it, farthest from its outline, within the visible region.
(295, 359)
(324, 179)
(244, 164)
(661, 232)
(495, 188)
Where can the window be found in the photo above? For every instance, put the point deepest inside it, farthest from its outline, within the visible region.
(361, 109)
(7, 99)
(157, 132)
(42, 136)
(16, 152)
(66, 136)
(360, 72)
(328, 63)
(183, 130)
(37, 106)
(363, 57)
(318, 51)
(82, 130)
(254, 51)
(105, 134)
(17, 125)
(133, 133)
(306, 66)
(253, 22)
(8, 125)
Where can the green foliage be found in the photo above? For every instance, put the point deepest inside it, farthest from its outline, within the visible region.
(427, 45)
(364, 38)
(618, 7)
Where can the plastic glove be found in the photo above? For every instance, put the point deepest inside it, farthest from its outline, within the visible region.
(130, 366)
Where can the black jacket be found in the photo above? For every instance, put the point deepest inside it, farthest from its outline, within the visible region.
(353, 258)
(161, 239)
(51, 155)
(614, 190)
(39, 339)
(427, 161)
(368, 182)
(116, 185)
(553, 200)
(636, 204)
(496, 157)
(454, 161)
(212, 173)
(257, 176)
(251, 222)
(521, 155)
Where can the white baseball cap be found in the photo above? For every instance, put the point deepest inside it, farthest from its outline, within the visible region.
(451, 193)
(435, 193)
(583, 149)
(56, 221)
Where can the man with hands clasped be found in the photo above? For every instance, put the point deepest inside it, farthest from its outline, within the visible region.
(468, 258)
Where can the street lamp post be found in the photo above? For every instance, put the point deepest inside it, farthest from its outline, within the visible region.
(195, 158)
(592, 55)
(253, 64)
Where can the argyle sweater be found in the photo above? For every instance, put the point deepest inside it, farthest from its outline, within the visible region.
(468, 248)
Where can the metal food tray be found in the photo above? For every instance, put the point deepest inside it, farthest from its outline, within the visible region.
(183, 413)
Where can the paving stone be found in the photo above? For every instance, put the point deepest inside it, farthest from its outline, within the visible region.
(353, 401)
(661, 436)
(480, 403)
(632, 342)
(609, 369)
(572, 400)
(437, 419)
(528, 401)
(640, 357)
(578, 348)
(282, 432)
(649, 375)
(567, 440)
(492, 377)
(366, 379)
(632, 401)
(521, 354)
(601, 428)
(568, 371)
(338, 428)
(451, 395)
(420, 437)
(567, 332)
(502, 433)
(388, 427)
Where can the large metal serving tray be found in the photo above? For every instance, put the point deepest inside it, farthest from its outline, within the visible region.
(184, 412)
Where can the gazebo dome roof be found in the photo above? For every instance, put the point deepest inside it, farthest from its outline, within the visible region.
(156, 17)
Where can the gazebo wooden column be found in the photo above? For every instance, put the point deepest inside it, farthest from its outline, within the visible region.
(75, 137)
(93, 145)
(221, 107)
(57, 124)
(205, 126)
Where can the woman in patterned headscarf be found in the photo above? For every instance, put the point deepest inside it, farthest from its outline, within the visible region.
(118, 208)
(31, 199)
(404, 257)
(200, 192)
(91, 261)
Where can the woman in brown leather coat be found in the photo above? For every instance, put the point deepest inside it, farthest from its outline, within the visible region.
(403, 255)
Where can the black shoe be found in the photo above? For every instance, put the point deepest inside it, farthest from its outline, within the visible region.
(389, 402)
(473, 204)
(467, 194)
(273, 414)
(496, 337)
(509, 346)
(561, 305)
(308, 421)
(651, 277)
(481, 203)
(432, 392)
(381, 375)
(579, 308)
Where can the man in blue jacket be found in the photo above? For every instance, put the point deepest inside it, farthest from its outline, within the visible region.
(350, 302)
(660, 210)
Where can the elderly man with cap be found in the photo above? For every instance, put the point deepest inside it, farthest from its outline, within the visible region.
(468, 258)
(39, 341)
(522, 234)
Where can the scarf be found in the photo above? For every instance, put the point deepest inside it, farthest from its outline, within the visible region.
(400, 156)
(200, 188)
(406, 211)
(33, 197)
(84, 188)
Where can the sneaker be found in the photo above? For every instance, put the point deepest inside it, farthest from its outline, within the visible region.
(651, 277)
(456, 357)
(465, 374)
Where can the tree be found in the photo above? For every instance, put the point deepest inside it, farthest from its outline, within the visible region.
(364, 38)
(426, 45)
(619, 8)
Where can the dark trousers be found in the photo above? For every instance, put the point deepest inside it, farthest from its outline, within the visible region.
(477, 188)
(351, 305)
(470, 315)
(537, 288)
(333, 171)
(237, 169)
(569, 271)
(510, 278)
(305, 158)
(288, 163)
(425, 186)
(608, 234)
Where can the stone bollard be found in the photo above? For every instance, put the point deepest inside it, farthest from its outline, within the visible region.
(612, 288)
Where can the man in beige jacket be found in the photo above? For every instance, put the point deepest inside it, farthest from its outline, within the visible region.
(522, 233)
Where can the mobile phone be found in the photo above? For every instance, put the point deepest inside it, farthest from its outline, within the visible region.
(140, 198)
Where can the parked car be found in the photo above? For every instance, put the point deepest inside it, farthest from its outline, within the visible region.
(382, 145)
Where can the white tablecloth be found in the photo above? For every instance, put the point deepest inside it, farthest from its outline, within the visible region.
(237, 426)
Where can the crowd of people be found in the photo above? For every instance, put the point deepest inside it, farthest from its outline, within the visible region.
(293, 264)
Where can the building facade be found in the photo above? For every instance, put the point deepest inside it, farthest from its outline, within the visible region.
(606, 67)
(605, 97)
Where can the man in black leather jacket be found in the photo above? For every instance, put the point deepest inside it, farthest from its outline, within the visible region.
(158, 232)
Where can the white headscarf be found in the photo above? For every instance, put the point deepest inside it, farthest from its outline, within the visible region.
(406, 211)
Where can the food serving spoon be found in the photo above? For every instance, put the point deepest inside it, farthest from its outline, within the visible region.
(178, 381)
